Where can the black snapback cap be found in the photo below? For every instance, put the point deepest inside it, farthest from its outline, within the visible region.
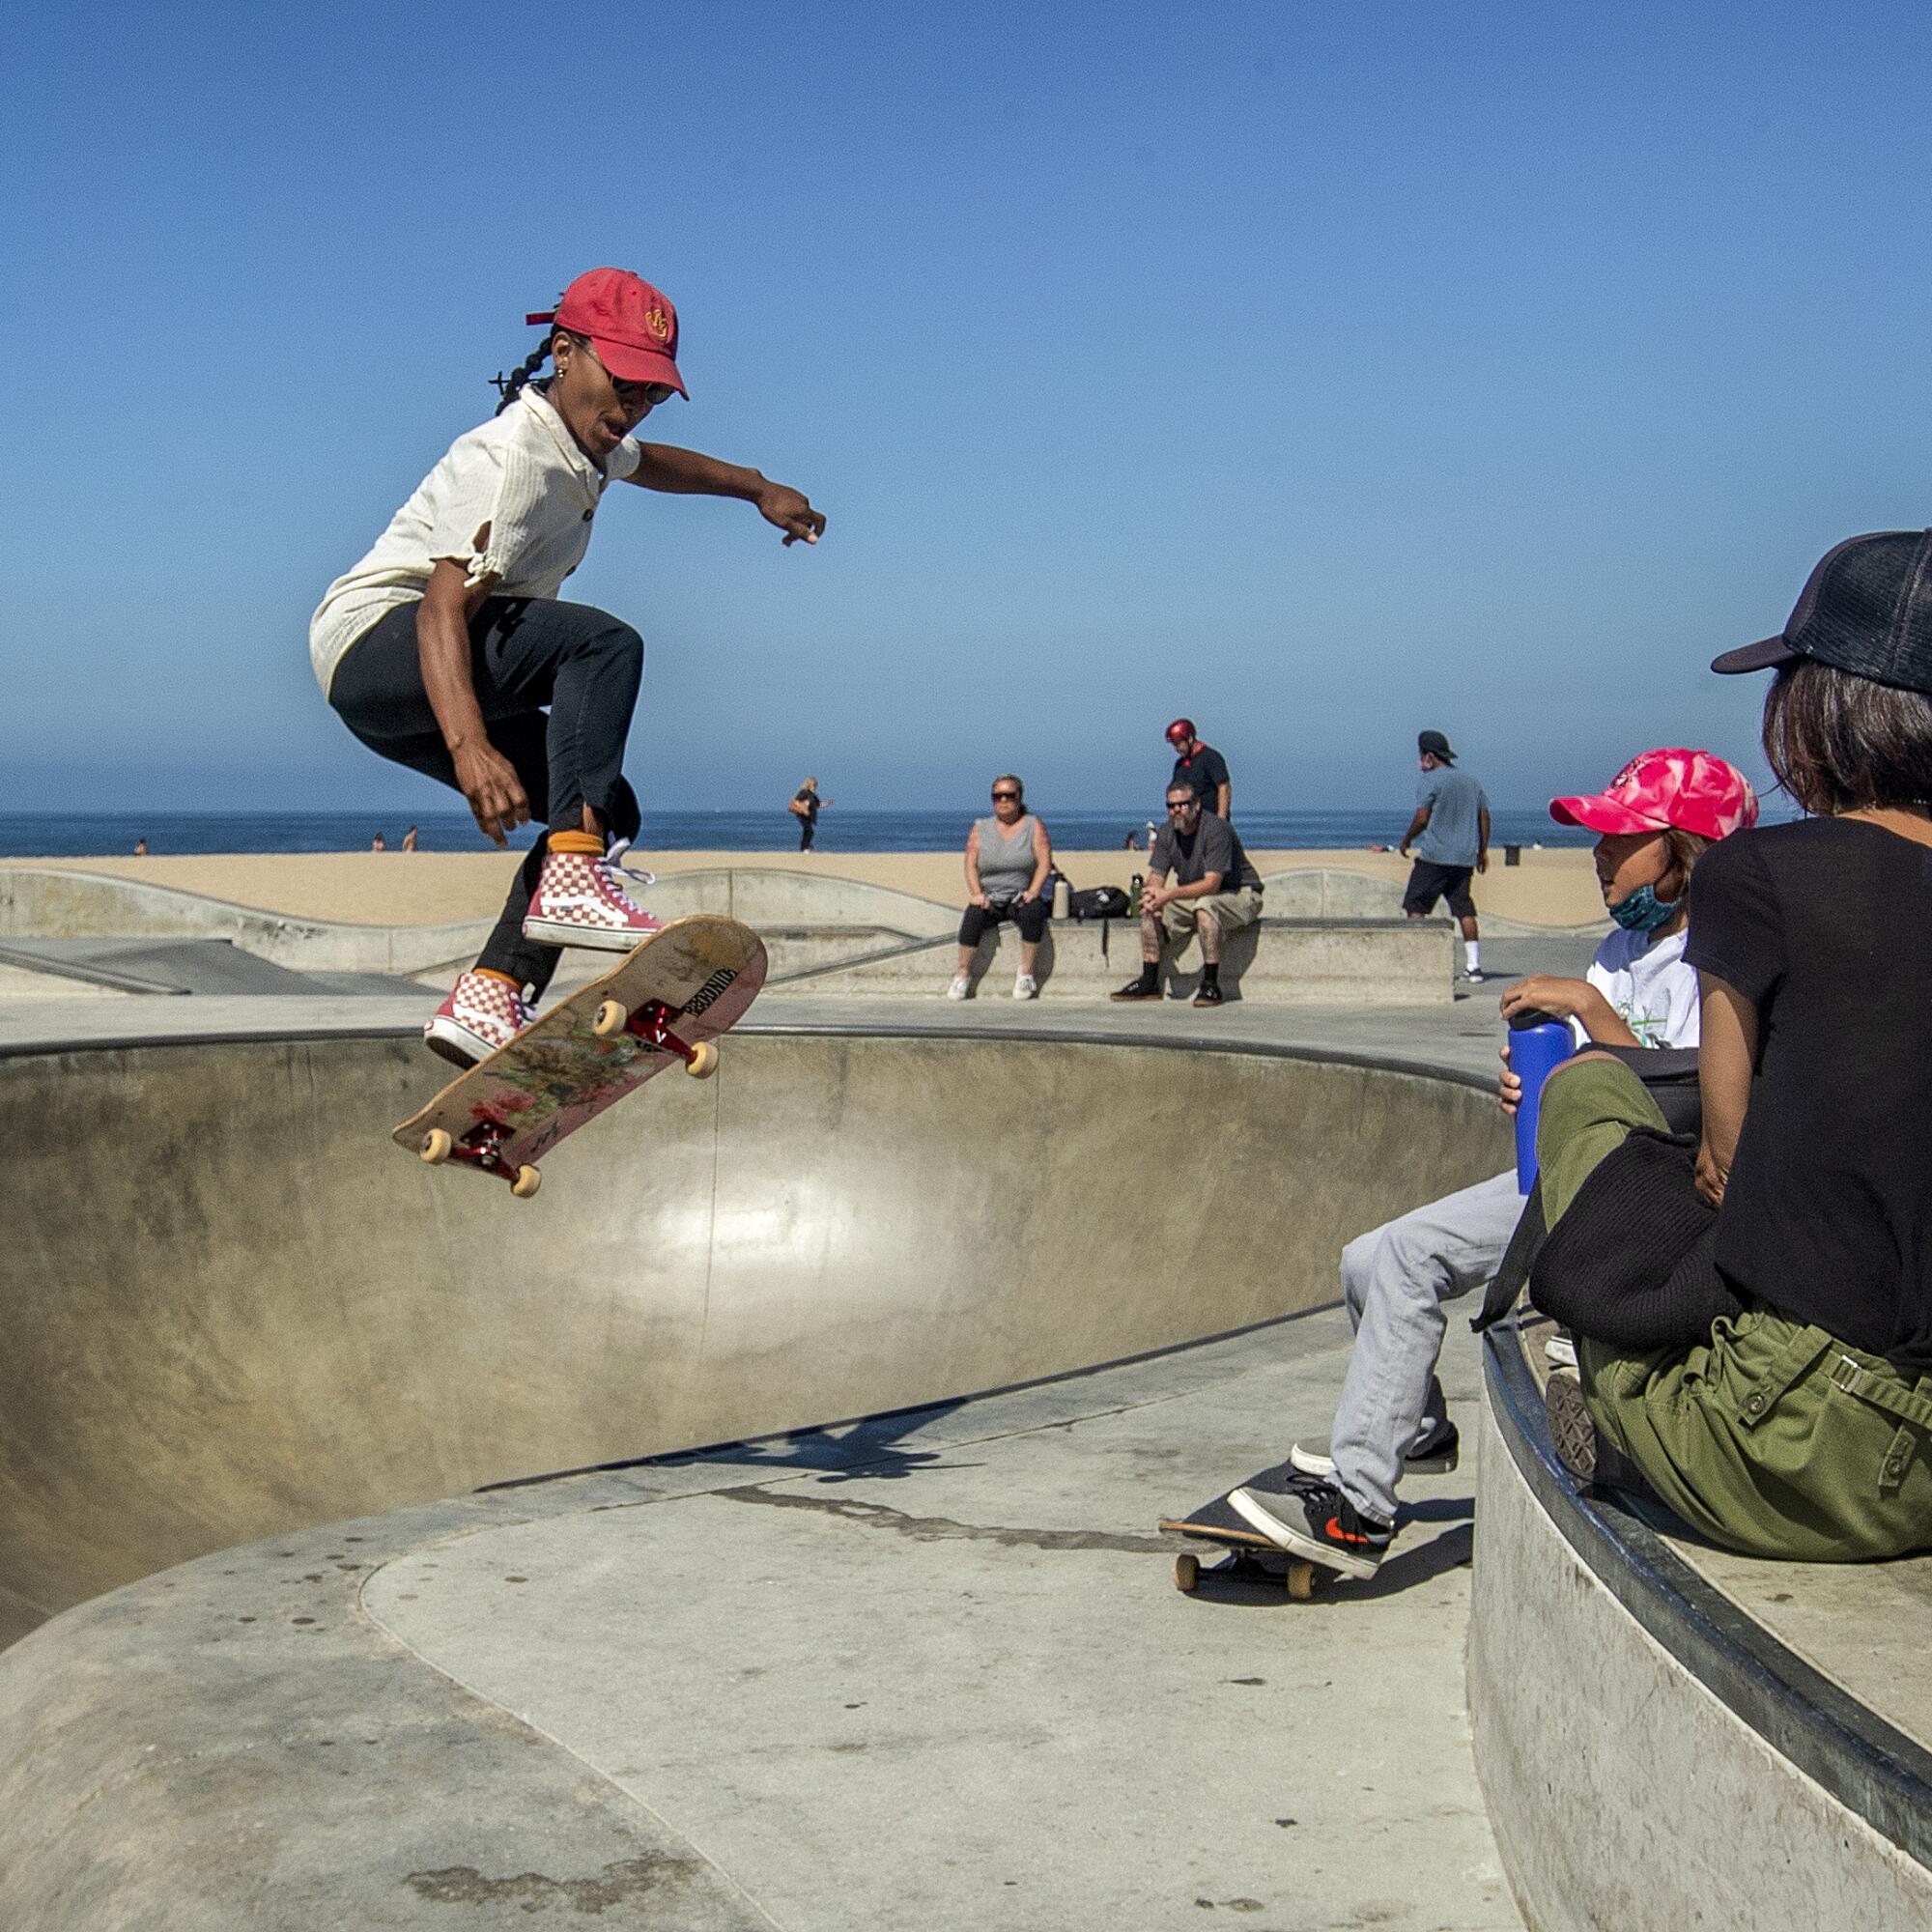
(1866, 608)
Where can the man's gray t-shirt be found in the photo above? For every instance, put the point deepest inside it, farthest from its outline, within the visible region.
(1452, 836)
(1213, 846)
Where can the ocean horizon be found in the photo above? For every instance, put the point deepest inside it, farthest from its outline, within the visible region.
(114, 835)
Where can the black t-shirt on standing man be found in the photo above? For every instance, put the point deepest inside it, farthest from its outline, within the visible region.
(1826, 928)
(1206, 772)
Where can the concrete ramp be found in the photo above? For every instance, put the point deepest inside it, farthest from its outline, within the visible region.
(233, 1308)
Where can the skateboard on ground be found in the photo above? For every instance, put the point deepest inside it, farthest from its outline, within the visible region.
(665, 1001)
(1248, 1556)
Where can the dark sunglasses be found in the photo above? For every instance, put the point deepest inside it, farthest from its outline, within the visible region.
(650, 394)
(999, 795)
(1187, 804)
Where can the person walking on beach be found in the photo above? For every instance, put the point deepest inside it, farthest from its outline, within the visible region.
(1201, 768)
(1008, 861)
(409, 840)
(1451, 836)
(806, 806)
(443, 647)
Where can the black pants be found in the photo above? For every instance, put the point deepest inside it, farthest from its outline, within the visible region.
(807, 831)
(524, 653)
(1030, 917)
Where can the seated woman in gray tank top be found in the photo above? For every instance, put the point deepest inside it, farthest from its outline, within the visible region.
(1009, 858)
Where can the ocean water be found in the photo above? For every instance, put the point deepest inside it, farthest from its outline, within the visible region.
(109, 835)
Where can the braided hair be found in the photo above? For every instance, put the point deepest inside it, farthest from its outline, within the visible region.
(508, 386)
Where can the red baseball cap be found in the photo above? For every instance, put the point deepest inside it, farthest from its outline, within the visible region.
(1180, 731)
(1694, 792)
(631, 324)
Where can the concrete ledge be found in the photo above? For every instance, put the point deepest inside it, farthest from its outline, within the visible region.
(1650, 1754)
(1364, 962)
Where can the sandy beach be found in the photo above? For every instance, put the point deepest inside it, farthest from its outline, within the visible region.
(1549, 886)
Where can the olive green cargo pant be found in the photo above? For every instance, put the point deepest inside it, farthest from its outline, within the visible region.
(1771, 1438)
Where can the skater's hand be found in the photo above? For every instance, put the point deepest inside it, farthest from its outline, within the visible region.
(792, 512)
(489, 783)
(1562, 999)
(1509, 1086)
(1709, 1174)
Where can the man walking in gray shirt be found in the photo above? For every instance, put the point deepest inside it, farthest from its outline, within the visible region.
(1451, 836)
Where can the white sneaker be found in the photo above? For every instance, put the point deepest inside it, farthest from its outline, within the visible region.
(481, 1014)
(961, 987)
(1560, 1352)
(580, 900)
(1025, 987)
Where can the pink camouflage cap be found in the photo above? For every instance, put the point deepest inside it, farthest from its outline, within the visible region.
(1694, 792)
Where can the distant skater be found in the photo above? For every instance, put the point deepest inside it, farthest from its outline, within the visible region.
(806, 806)
(409, 840)
(1451, 836)
(443, 647)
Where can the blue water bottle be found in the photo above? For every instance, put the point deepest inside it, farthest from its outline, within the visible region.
(1537, 1044)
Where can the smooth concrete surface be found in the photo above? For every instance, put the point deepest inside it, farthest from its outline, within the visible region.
(233, 1308)
(1652, 1750)
(1378, 963)
(927, 1671)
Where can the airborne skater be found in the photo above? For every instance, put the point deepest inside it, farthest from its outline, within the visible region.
(443, 647)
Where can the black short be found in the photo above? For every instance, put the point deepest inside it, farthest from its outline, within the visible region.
(1030, 917)
(1430, 882)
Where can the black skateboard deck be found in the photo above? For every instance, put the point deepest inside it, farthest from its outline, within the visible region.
(1250, 1556)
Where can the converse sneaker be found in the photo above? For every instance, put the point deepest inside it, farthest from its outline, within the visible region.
(484, 1010)
(580, 900)
(1315, 1519)
(1026, 986)
(1433, 1453)
(960, 988)
(1572, 1432)
(1560, 1350)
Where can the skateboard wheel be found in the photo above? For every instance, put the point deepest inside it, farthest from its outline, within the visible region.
(527, 1183)
(612, 1020)
(1301, 1579)
(437, 1145)
(703, 1060)
(1186, 1572)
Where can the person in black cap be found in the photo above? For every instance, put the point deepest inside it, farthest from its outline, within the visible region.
(1451, 836)
(1797, 1423)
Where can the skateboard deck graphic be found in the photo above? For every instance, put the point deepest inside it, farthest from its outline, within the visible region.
(1249, 1556)
(661, 1002)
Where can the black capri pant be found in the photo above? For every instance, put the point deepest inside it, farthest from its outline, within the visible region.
(1029, 915)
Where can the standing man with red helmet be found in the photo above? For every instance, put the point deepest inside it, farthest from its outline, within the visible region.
(1200, 767)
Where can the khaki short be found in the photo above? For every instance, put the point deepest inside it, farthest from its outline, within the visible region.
(1229, 911)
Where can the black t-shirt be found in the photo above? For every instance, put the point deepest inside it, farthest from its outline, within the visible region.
(809, 799)
(1204, 771)
(1213, 846)
(1826, 928)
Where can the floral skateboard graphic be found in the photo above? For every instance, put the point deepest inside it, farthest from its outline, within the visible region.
(665, 1002)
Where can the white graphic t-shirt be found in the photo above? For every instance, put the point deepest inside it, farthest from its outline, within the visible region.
(1650, 988)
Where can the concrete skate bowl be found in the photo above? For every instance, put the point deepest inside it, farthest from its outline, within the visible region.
(233, 1309)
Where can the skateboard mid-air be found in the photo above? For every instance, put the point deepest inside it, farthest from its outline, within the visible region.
(1248, 1556)
(665, 1001)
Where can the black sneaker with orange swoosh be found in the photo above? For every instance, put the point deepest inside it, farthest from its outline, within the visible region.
(1313, 1519)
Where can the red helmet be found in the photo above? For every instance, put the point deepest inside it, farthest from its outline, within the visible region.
(1180, 731)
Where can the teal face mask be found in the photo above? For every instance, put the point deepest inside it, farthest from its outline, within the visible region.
(1643, 911)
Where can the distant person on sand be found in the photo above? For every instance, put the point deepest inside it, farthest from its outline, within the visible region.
(1201, 768)
(379, 843)
(806, 806)
(1008, 861)
(442, 647)
(141, 846)
(409, 840)
(1451, 836)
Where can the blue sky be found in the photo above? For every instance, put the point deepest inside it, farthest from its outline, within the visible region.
(1322, 372)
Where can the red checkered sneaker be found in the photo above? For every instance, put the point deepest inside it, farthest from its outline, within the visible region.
(481, 1014)
(580, 900)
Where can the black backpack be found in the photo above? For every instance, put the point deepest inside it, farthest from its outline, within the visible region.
(1098, 903)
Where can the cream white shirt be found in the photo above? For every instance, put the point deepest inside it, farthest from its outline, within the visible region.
(520, 474)
(1654, 992)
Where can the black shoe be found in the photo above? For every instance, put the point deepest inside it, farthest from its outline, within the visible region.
(1316, 1520)
(1434, 1453)
(1142, 989)
(1572, 1432)
(1210, 994)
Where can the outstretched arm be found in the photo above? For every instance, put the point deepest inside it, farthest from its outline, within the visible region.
(686, 472)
